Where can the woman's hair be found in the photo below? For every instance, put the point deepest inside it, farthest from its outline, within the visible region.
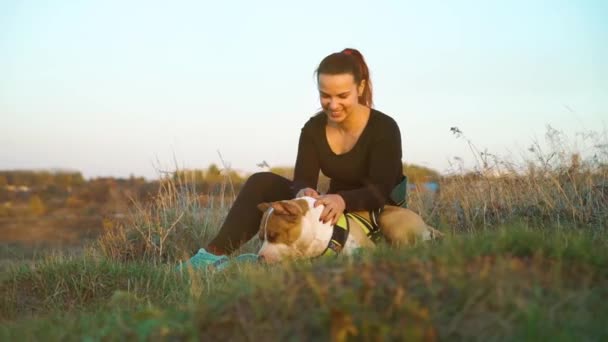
(349, 61)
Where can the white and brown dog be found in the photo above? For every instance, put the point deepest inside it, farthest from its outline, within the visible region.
(291, 229)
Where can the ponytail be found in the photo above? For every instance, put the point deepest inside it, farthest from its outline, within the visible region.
(349, 61)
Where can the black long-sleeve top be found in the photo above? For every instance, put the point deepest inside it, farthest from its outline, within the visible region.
(363, 176)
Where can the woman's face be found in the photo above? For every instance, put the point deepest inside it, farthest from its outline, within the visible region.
(339, 95)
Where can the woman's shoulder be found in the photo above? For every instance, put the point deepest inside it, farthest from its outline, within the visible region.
(315, 121)
(382, 120)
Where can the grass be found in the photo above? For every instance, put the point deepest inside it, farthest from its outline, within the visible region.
(525, 258)
(511, 283)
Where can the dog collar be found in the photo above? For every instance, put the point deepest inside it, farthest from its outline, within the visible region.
(270, 210)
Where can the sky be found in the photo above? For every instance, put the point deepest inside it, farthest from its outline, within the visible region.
(120, 88)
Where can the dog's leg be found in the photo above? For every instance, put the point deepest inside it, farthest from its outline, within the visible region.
(401, 226)
(435, 234)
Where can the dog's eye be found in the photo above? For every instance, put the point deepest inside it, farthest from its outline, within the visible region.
(272, 236)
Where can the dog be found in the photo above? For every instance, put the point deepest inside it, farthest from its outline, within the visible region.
(291, 229)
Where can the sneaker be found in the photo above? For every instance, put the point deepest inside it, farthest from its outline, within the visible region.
(248, 257)
(204, 259)
(208, 261)
(243, 258)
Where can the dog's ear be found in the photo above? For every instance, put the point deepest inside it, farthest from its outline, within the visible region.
(282, 208)
(292, 208)
(263, 206)
(279, 208)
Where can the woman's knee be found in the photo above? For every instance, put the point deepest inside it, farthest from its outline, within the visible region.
(264, 176)
(267, 181)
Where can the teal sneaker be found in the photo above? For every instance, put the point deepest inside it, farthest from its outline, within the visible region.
(207, 261)
(247, 257)
(243, 258)
(204, 259)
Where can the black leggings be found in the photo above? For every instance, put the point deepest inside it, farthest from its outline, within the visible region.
(243, 219)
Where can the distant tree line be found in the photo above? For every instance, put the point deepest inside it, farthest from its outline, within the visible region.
(29, 178)
(38, 193)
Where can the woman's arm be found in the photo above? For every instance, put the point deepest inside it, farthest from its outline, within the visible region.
(306, 172)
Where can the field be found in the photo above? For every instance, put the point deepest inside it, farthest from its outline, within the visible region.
(525, 258)
(513, 283)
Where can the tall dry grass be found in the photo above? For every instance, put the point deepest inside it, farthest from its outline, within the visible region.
(564, 183)
(173, 226)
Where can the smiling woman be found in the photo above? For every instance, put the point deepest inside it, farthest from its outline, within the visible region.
(355, 145)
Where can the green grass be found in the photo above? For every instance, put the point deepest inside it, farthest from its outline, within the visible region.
(511, 283)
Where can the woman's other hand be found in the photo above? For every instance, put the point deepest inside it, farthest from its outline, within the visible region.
(308, 192)
(334, 208)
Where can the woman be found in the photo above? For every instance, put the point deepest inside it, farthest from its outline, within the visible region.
(356, 146)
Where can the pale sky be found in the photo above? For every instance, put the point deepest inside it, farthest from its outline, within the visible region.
(113, 88)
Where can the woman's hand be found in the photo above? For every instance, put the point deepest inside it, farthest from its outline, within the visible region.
(308, 192)
(334, 208)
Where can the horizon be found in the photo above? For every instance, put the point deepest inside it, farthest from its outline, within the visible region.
(111, 89)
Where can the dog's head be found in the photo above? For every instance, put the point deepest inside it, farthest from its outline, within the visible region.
(290, 229)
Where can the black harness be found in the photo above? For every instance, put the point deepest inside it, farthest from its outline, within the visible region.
(342, 230)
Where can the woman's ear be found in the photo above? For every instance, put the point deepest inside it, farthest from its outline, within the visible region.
(361, 88)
